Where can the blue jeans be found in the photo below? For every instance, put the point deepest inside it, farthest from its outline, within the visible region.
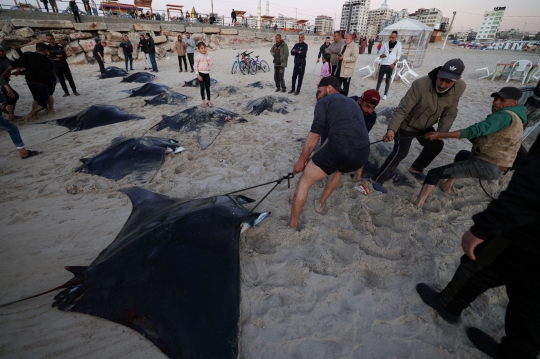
(13, 132)
(152, 57)
(128, 56)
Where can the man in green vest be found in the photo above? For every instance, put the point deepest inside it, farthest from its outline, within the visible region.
(495, 144)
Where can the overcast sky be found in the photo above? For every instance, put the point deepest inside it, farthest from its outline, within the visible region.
(469, 13)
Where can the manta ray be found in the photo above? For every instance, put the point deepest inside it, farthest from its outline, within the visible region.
(270, 103)
(136, 158)
(149, 89)
(168, 98)
(113, 71)
(141, 77)
(172, 274)
(95, 116)
(195, 83)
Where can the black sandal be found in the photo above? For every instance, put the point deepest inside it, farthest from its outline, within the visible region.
(30, 154)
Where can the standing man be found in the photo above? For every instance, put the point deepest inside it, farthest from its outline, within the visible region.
(38, 70)
(334, 50)
(322, 49)
(346, 62)
(233, 17)
(370, 45)
(432, 99)
(61, 67)
(151, 51)
(54, 7)
(390, 54)
(127, 47)
(299, 51)
(501, 249)
(345, 150)
(190, 48)
(142, 46)
(280, 53)
(94, 8)
(98, 55)
(75, 10)
(10, 95)
(87, 9)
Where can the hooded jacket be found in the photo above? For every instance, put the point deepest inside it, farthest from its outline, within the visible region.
(422, 106)
(284, 53)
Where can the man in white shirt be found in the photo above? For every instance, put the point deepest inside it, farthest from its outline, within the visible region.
(389, 54)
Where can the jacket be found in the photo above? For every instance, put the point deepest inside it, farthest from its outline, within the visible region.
(391, 56)
(349, 59)
(58, 52)
(422, 106)
(299, 57)
(322, 50)
(284, 53)
(126, 46)
(73, 6)
(180, 48)
(333, 49)
(150, 47)
(143, 45)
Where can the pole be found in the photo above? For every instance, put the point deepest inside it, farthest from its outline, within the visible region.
(448, 31)
(523, 32)
(212, 2)
(334, 23)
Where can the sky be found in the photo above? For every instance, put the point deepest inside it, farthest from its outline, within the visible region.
(518, 14)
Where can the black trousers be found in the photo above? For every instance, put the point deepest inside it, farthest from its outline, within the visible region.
(298, 72)
(402, 144)
(279, 77)
(499, 262)
(180, 59)
(205, 85)
(369, 49)
(334, 70)
(12, 101)
(345, 83)
(385, 70)
(76, 15)
(190, 59)
(63, 73)
(100, 63)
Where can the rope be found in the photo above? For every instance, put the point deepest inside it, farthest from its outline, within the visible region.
(480, 181)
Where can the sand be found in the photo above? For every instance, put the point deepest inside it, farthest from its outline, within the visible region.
(340, 287)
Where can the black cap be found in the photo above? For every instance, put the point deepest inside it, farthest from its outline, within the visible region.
(331, 81)
(452, 70)
(508, 92)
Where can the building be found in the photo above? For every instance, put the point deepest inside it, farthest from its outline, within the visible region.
(356, 19)
(372, 31)
(285, 22)
(380, 18)
(490, 24)
(324, 23)
(431, 17)
(251, 21)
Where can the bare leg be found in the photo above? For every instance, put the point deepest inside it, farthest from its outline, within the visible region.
(424, 193)
(312, 174)
(448, 186)
(51, 105)
(358, 174)
(33, 114)
(413, 170)
(331, 185)
(11, 112)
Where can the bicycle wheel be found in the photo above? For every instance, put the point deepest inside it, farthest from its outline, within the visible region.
(253, 67)
(234, 67)
(242, 67)
(264, 66)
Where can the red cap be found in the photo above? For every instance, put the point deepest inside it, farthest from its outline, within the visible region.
(372, 97)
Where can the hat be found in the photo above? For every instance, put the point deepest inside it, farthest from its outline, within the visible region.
(372, 97)
(508, 92)
(2, 49)
(452, 70)
(331, 81)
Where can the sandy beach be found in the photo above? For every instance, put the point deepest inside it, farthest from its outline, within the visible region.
(343, 286)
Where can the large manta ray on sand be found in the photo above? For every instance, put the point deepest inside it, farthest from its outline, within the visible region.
(95, 116)
(172, 274)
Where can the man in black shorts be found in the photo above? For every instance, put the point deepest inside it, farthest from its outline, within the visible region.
(345, 150)
(38, 70)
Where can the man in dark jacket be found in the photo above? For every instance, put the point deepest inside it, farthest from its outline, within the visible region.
(151, 51)
(322, 49)
(501, 248)
(299, 51)
(127, 47)
(75, 10)
(61, 67)
(98, 53)
(370, 45)
(142, 47)
(280, 53)
(233, 16)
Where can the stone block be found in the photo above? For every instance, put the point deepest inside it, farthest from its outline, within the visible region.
(193, 29)
(146, 27)
(198, 37)
(160, 39)
(246, 33)
(79, 59)
(69, 51)
(110, 50)
(115, 58)
(14, 55)
(16, 38)
(229, 31)
(90, 26)
(120, 27)
(28, 48)
(87, 45)
(293, 39)
(211, 30)
(42, 24)
(169, 46)
(59, 37)
(74, 45)
(107, 58)
(114, 36)
(170, 26)
(8, 28)
(172, 38)
(80, 35)
(113, 43)
(24, 32)
(171, 33)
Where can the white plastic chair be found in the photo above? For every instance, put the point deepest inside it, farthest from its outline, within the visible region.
(523, 67)
(370, 68)
(406, 70)
(490, 70)
(536, 75)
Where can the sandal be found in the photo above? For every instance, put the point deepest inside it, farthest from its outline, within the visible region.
(379, 187)
(30, 154)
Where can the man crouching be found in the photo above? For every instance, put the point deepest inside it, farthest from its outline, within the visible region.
(345, 149)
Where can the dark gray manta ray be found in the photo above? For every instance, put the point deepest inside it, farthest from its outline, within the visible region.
(195, 83)
(227, 91)
(172, 274)
(205, 122)
(141, 77)
(259, 85)
(168, 98)
(271, 103)
(149, 89)
(140, 158)
(95, 116)
(113, 71)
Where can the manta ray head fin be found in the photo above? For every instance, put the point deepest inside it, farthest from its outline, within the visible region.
(252, 220)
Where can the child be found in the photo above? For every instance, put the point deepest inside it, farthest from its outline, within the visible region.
(326, 69)
(202, 69)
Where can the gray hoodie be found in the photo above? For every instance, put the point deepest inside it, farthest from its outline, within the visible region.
(334, 49)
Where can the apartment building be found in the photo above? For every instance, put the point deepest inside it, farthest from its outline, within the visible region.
(430, 17)
(490, 24)
(358, 11)
(324, 23)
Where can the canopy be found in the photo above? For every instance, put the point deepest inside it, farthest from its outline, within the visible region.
(406, 27)
(143, 3)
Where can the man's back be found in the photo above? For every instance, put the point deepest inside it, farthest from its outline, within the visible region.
(38, 66)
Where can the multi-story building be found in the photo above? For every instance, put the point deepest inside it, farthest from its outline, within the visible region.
(354, 16)
(324, 23)
(380, 17)
(372, 31)
(285, 22)
(430, 17)
(490, 24)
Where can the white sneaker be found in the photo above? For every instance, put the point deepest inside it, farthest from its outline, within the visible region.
(384, 97)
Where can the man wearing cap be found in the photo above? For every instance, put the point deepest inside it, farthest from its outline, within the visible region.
(501, 249)
(496, 142)
(345, 150)
(432, 99)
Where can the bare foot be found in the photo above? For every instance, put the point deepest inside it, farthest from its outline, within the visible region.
(318, 206)
(447, 187)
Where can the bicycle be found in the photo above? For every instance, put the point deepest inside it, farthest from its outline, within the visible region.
(261, 65)
(252, 68)
(239, 64)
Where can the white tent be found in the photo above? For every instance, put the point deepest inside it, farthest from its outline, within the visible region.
(414, 37)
